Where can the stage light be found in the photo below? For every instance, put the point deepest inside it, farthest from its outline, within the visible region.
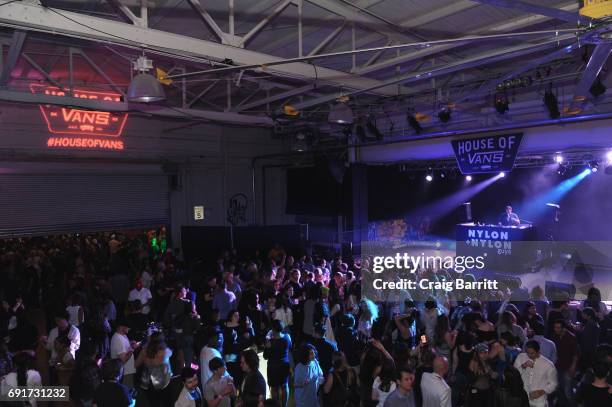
(428, 177)
(598, 88)
(558, 158)
(444, 114)
(501, 103)
(372, 128)
(468, 178)
(442, 174)
(502, 174)
(414, 123)
(550, 100)
(562, 169)
(609, 156)
(594, 166)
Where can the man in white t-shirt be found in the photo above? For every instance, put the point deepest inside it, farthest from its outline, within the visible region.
(143, 294)
(209, 352)
(63, 327)
(121, 348)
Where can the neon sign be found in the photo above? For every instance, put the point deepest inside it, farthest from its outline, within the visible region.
(82, 128)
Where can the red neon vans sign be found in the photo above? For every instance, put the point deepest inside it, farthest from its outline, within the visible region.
(64, 120)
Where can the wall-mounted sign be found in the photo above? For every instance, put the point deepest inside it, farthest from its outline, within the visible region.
(85, 126)
(198, 212)
(487, 154)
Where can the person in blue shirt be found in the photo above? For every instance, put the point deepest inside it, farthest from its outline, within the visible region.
(307, 378)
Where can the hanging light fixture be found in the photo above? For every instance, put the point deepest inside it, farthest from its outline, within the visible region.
(340, 113)
(144, 87)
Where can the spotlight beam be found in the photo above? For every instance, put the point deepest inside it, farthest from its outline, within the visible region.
(444, 206)
(538, 205)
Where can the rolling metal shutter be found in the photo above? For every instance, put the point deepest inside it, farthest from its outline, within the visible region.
(47, 203)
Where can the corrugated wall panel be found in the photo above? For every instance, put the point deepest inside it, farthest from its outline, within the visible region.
(38, 203)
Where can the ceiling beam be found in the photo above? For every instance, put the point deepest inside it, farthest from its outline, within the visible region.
(106, 106)
(208, 20)
(363, 19)
(13, 56)
(467, 63)
(551, 12)
(596, 63)
(38, 18)
(265, 21)
(274, 98)
(492, 29)
(124, 13)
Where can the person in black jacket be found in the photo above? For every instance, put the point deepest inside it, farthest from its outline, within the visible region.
(253, 388)
(111, 393)
(325, 348)
(511, 393)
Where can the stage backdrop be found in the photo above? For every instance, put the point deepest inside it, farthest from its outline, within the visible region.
(585, 209)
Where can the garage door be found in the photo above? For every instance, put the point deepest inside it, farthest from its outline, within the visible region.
(38, 203)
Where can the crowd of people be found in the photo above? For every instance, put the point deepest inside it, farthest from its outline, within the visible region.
(121, 320)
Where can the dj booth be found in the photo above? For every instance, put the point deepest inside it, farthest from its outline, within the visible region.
(506, 248)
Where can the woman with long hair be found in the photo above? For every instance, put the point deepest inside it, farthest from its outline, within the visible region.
(593, 300)
(238, 335)
(384, 383)
(482, 376)
(253, 388)
(444, 337)
(22, 376)
(156, 371)
(512, 392)
(340, 388)
(307, 378)
(369, 314)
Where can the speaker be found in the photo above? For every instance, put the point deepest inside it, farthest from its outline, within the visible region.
(556, 291)
(467, 212)
(176, 182)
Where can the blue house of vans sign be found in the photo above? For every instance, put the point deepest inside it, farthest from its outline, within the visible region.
(487, 154)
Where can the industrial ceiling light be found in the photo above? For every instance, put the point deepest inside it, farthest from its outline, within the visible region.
(414, 123)
(340, 113)
(372, 128)
(501, 103)
(550, 100)
(598, 88)
(145, 88)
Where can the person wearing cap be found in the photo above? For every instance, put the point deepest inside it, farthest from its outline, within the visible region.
(121, 348)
